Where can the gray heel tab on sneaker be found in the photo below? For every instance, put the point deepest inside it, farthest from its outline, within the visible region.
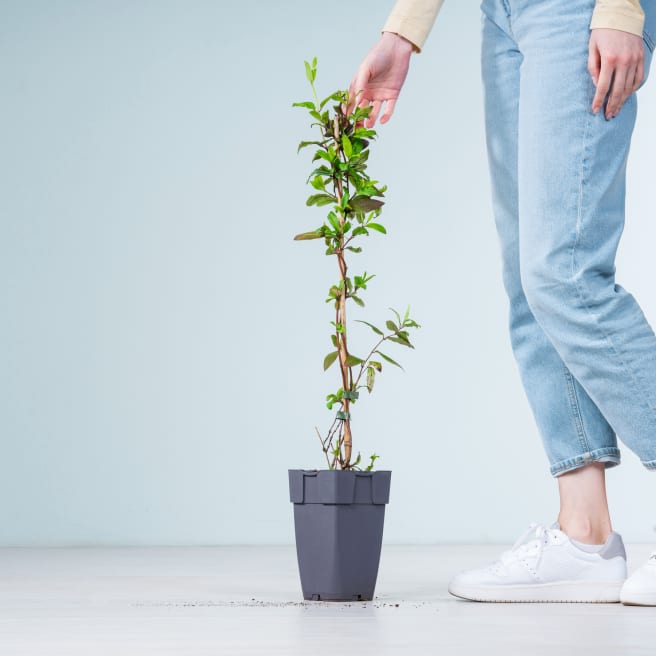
(614, 547)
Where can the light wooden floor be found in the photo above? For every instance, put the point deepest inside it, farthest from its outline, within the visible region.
(247, 600)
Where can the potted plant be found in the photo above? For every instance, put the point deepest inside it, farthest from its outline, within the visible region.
(339, 511)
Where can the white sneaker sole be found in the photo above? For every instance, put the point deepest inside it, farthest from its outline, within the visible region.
(638, 599)
(582, 592)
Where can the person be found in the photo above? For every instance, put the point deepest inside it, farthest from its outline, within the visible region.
(559, 87)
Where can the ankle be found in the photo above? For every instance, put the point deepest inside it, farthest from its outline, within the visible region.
(586, 530)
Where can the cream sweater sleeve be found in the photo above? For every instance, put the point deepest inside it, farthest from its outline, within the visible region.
(625, 15)
(414, 19)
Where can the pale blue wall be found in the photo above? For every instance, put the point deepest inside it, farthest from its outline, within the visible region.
(161, 335)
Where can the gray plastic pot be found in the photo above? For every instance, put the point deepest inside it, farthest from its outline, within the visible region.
(338, 519)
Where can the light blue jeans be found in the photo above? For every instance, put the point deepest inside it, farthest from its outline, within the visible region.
(585, 351)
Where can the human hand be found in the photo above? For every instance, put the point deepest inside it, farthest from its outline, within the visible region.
(380, 77)
(616, 63)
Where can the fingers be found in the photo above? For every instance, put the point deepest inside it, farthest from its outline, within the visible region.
(626, 80)
(594, 63)
(375, 109)
(619, 81)
(618, 92)
(389, 110)
(603, 86)
(640, 73)
(358, 84)
(616, 65)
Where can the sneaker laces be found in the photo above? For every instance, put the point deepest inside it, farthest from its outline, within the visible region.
(541, 536)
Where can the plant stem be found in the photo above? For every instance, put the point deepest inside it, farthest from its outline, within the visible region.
(323, 446)
(364, 364)
(316, 98)
(341, 308)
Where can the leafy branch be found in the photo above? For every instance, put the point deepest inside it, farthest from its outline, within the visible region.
(341, 183)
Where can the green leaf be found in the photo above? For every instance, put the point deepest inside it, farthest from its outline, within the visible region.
(347, 147)
(391, 325)
(364, 133)
(345, 199)
(406, 315)
(378, 227)
(359, 230)
(304, 144)
(401, 340)
(320, 200)
(388, 359)
(331, 399)
(361, 112)
(373, 458)
(323, 155)
(334, 222)
(378, 331)
(334, 340)
(398, 316)
(321, 170)
(376, 365)
(318, 183)
(308, 72)
(371, 376)
(352, 361)
(366, 204)
(315, 234)
(358, 145)
(358, 300)
(308, 104)
(329, 359)
(354, 249)
(334, 96)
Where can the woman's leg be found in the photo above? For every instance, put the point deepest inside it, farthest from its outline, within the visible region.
(579, 441)
(573, 430)
(571, 191)
(584, 512)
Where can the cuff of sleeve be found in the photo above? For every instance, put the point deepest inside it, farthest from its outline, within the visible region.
(409, 28)
(633, 23)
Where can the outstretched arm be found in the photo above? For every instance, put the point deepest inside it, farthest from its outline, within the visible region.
(380, 77)
(382, 73)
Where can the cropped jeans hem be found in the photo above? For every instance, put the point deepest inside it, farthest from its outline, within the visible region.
(610, 455)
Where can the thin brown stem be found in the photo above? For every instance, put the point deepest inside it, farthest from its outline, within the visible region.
(364, 364)
(323, 446)
(341, 308)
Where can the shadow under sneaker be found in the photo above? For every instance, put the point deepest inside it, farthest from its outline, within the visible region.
(544, 565)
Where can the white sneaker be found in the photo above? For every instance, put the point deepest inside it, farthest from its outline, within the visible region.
(640, 588)
(549, 567)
